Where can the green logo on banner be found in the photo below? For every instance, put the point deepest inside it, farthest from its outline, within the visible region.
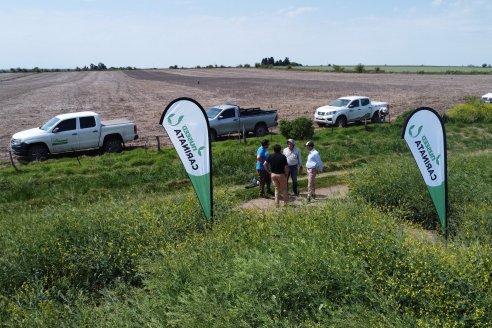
(171, 122)
(410, 131)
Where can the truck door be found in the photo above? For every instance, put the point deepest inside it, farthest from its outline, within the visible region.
(366, 108)
(354, 110)
(89, 133)
(229, 122)
(64, 136)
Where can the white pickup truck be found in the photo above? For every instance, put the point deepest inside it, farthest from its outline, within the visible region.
(487, 97)
(350, 109)
(73, 132)
(230, 118)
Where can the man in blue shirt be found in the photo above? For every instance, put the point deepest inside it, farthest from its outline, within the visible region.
(264, 177)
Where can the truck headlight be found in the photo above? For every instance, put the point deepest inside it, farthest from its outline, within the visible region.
(15, 142)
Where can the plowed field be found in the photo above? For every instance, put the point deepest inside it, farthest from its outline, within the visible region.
(28, 100)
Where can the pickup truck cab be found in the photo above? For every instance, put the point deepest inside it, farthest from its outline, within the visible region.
(230, 118)
(350, 109)
(73, 132)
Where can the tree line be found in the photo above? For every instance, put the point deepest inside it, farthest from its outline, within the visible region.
(91, 67)
(270, 61)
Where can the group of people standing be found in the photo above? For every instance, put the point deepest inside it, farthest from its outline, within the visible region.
(281, 165)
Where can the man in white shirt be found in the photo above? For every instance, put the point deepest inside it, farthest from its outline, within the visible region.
(313, 166)
(294, 161)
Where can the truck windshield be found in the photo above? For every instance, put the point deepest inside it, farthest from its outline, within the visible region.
(212, 112)
(339, 103)
(48, 125)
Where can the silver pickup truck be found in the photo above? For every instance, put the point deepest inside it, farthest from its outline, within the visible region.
(230, 118)
(73, 132)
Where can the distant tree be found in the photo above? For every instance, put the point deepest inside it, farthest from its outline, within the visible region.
(338, 68)
(359, 68)
(270, 61)
(93, 67)
(484, 65)
(101, 67)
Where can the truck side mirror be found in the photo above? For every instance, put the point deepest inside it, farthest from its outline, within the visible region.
(221, 117)
(55, 130)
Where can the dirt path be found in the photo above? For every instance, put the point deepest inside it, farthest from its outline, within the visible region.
(322, 194)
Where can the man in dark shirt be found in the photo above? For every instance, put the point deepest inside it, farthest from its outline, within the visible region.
(276, 164)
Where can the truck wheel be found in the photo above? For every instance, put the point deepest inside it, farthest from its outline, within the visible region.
(375, 118)
(341, 122)
(260, 130)
(38, 152)
(113, 145)
(212, 135)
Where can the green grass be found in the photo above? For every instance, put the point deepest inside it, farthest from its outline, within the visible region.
(120, 240)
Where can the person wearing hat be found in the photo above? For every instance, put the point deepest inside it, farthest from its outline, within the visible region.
(264, 177)
(294, 161)
(313, 166)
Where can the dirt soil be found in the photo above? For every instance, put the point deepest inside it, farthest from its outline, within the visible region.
(28, 99)
(322, 194)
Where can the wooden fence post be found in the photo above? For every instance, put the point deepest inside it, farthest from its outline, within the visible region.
(158, 143)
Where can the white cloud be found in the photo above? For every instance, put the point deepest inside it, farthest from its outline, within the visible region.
(292, 13)
(437, 2)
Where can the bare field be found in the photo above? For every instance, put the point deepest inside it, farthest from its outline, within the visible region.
(28, 99)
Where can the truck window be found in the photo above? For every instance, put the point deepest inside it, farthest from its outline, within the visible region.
(364, 101)
(67, 125)
(87, 122)
(228, 113)
(212, 112)
(354, 103)
(49, 124)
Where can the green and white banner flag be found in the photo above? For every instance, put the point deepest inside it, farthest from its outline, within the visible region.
(425, 136)
(186, 124)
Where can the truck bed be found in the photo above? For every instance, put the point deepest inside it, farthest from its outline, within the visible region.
(254, 111)
(116, 121)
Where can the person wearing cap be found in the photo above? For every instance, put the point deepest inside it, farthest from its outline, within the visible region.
(264, 177)
(276, 165)
(313, 166)
(294, 160)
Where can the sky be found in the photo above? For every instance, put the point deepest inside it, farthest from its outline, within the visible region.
(189, 33)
